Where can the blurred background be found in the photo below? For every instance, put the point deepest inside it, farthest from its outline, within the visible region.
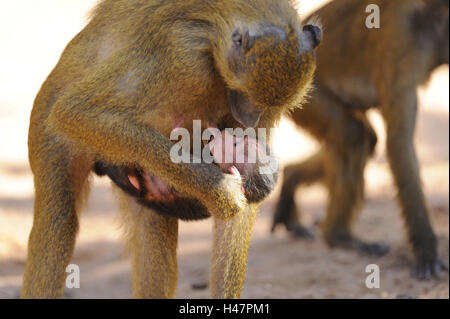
(32, 37)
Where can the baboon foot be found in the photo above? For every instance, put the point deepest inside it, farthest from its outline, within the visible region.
(302, 232)
(297, 230)
(426, 269)
(200, 285)
(376, 249)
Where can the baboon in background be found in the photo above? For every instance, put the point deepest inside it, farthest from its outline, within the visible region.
(139, 69)
(360, 68)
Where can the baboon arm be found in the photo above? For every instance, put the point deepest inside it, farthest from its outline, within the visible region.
(229, 256)
(92, 114)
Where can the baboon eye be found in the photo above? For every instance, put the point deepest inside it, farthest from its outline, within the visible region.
(241, 39)
(237, 38)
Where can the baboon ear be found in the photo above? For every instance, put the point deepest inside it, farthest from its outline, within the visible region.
(242, 41)
(315, 33)
(310, 37)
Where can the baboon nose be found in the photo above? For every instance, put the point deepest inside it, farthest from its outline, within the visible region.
(315, 34)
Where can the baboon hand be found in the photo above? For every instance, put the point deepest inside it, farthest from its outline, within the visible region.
(230, 200)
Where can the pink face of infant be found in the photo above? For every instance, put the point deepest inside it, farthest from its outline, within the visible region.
(237, 155)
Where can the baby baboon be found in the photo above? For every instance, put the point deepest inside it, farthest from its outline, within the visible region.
(138, 70)
(359, 68)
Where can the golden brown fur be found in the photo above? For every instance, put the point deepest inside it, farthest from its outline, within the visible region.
(119, 88)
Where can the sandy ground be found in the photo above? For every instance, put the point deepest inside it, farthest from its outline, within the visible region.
(32, 36)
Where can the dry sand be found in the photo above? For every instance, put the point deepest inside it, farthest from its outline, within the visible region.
(32, 36)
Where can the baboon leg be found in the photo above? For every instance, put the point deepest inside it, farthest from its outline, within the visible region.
(345, 183)
(152, 240)
(400, 115)
(286, 213)
(59, 186)
(229, 255)
(348, 140)
(344, 165)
